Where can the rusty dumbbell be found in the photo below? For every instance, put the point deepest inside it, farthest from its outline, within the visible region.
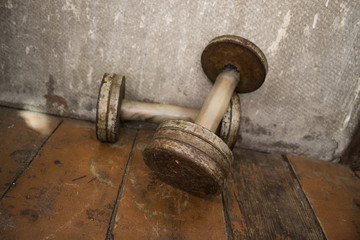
(189, 155)
(112, 108)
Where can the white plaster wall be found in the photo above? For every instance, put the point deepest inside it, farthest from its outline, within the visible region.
(54, 53)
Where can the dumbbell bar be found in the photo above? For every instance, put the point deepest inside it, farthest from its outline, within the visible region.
(189, 155)
(112, 108)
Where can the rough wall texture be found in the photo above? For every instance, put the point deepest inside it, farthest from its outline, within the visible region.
(54, 53)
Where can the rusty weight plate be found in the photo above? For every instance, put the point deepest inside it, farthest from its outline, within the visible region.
(111, 94)
(245, 55)
(230, 124)
(189, 157)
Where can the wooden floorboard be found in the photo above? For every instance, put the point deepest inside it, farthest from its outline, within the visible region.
(22, 134)
(70, 189)
(334, 193)
(57, 181)
(151, 209)
(263, 200)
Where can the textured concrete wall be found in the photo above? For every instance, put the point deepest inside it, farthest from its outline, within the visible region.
(54, 53)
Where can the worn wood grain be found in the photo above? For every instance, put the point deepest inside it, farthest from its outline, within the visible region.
(22, 134)
(151, 209)
(263, 200)
(333, 191)
(70, 190)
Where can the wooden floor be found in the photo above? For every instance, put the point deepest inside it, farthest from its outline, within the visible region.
(58, 182)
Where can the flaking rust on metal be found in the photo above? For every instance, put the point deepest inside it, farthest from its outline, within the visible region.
(102, 109)
(230, 124)
(111, 94)
(190, 157)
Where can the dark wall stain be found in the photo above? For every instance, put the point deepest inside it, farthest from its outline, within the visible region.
(89, 107)
(50, 84)
(315, 136)
(285, 145)
(254, 129)
(309, 137)
(52, 98)
(55, 99)
(351, 156)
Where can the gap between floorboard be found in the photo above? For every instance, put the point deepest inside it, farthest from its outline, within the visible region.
(229, 230)
(13, 183)
(302, 193)
(109, 235)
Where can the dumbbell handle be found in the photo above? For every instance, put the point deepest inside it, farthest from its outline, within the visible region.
(218, 99)
(154, 112)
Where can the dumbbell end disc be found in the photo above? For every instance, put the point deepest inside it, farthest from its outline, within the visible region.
(189, 157)
(249, 60)
(230, 124)
(111, 94)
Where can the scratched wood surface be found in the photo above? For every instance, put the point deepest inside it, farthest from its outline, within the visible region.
(334, 193)
(70, 186)
(70, 189)
(263, 200)
(151, 209)
(22, 134)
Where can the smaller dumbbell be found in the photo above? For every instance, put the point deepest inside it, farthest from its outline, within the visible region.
(113, 108)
